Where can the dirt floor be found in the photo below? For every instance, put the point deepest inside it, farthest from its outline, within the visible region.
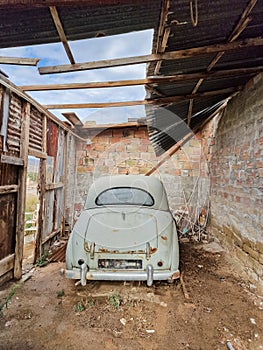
(49, 312)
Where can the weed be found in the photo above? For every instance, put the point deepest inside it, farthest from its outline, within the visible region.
(42, 261)
(79, 307)
(8, 298)
(115, 300)
(91, 303)
(60, 293)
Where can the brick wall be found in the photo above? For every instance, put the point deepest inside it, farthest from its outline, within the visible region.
(129, 150)
(237, 179)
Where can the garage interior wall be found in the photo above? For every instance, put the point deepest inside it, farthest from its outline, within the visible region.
(237, 179)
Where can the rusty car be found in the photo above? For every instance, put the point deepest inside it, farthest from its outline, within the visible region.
(126, 232)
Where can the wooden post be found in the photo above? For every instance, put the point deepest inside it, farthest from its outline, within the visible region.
(42, 189)
(65, 181)
(21, 197)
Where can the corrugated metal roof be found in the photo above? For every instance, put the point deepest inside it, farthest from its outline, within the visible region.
(216, 21)
(34, 25)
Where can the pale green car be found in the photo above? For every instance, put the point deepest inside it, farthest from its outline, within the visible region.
(126, 232)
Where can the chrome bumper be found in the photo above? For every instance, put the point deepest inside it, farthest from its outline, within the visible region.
(132, 275)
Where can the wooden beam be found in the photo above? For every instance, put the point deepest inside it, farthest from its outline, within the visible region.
(21, 197)
(163, 33)
(6, 264)
(61, 33)
(73, 118)
(53, 186)
(156, 101)
(42, 191)
(19, 61)
(53, 234)
(148, 81)
(173, 55)
(239, 28)
(12, 160)
(8, 189)
(34, 153)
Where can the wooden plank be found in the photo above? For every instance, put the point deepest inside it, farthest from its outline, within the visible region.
(7, 264)
(38, 154)
(53, 234)
(50, 187)
(19, 61)
(147, 81)
(61, 33)
(12, 160)
(156, 101)
(41, 184)
(73, 118)
(21, 198)
(173, 55)
(8, 189)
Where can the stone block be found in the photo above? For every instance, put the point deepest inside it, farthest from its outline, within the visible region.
(254, 254)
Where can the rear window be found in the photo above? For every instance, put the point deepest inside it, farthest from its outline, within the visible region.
(125, 195)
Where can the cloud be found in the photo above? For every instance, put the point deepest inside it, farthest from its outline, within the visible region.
(124, 45)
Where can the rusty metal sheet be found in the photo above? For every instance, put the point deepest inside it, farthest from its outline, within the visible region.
(14, 124)
(36, 130)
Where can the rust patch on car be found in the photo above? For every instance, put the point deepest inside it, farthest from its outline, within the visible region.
(153, 250)
(164, 238)
(86, 247)
(176, 275)
(103, 250)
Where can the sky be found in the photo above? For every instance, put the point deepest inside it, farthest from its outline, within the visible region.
(118, 46)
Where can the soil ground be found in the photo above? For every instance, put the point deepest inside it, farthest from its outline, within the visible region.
(50, 312)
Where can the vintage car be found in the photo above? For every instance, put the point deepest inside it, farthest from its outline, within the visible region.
(125, 232)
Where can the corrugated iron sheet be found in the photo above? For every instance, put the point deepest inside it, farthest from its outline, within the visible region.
(216, 21)
(34, 25)
(14, 124)
(36, 130)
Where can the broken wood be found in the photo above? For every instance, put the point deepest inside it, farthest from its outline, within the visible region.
(148, 81)
(19, 61)
(8, 189)
(73, 118)
(186, 295)
(52, 235)
(156, 101)
(53, 186)
(173, 55)
(7, 264)
(12, 160)
(61, 33)
(38, 154)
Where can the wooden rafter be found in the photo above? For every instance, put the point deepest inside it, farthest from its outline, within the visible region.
(173, 55)
(73, 118)
(239, 28)
(19, 61)
(156, 101)
(148, 81)
(61, 33)
(163, 33)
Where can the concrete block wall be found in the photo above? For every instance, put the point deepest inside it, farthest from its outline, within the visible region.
(237, 179)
